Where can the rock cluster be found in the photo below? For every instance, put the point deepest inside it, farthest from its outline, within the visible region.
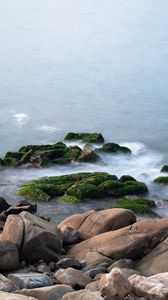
(114, 257)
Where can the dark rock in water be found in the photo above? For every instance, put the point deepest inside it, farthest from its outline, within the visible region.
(114, 148)
(164, 169)
(85, 137)
(67, 262)
(32, 206)
(161, 180)
(88, 155)
(3, 204)
(126, 178)
(9, 256)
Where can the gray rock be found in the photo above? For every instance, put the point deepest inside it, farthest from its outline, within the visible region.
(93, 272)
(70, 236)
(122, 264)
(43, 268)
(30, 280)
(9, 256)
(7, 285)
(67, 262)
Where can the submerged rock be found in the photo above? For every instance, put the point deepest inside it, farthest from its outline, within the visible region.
(114, 148)
(164, 169)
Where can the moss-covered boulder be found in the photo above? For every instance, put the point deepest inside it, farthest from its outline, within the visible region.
(114, 148)
(141, 206)
(80, 187)
(85, 137)
(164, 169)
(84, 191)
(126, 178)
(161, 180)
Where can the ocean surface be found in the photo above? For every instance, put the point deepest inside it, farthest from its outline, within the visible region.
(86, 65)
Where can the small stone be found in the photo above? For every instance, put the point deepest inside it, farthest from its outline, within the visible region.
(52, 266)
(93, 272)
(68, 262)
(43, 268)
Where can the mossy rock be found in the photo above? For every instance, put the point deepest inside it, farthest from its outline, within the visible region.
(84, 191)
(161, 180)
(82, 186)
(140, 206)
(33, 194)
(125, 178)
(10, 162)
(134, 188)
(164, 169)
(39, 148)
(15, 155)
(85, 137)
(114, 148)
(112, 187)
(98, 178)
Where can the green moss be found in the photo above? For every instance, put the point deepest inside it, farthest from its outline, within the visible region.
(85, 137)
(114, 148)
(68, 198)
(141, 206)
(99, 178)
(164, 169)
(85, 191)
(15, 155)
(161, 180)
(134, 188)
(39, 148)
(33, 194)
(112, 187)
(125, 178)
(10, 162)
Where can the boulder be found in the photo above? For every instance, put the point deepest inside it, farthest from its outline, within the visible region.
(114, 285)
(55, 292)
(72, 277)
(152, 288)
(29, 280)
(88, 155)
(7, 285)
(85, 137)
(13, 230)
(133, 242)
(96, 222)
(3, 204)
(83, 295)
(9, 256)
(106, 220)
(154, 262)
(42, 240)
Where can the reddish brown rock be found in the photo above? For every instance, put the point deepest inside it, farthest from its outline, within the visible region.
(130, 242)
(13, 230)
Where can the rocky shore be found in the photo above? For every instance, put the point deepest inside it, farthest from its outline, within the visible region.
(99, 254)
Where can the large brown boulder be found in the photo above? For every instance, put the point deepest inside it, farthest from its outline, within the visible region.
(42, 240)
(96, 222)
(156, 261)
(55, 292)
(129, 242)
(13, 230)
(9, 256)
(152, 288)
